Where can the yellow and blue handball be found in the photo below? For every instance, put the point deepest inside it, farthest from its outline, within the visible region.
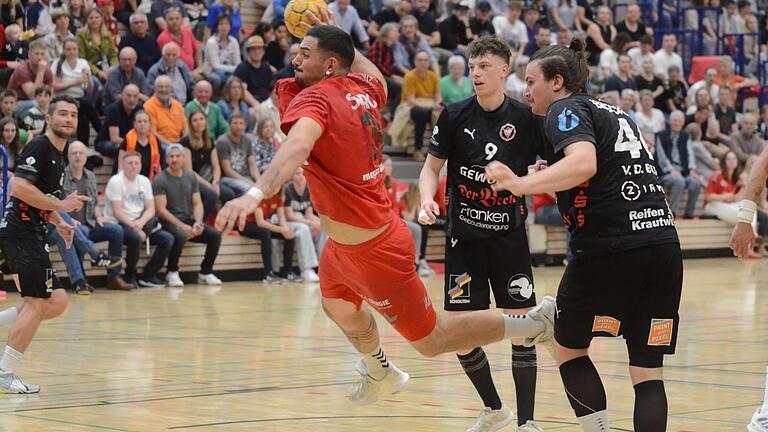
(294, 15)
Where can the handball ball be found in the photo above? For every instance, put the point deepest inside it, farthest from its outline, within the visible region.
(294, 14)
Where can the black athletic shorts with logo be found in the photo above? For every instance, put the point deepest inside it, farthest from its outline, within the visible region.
(30, 260)
(474, 268)
(634, 293)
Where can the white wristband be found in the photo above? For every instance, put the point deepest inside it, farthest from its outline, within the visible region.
(256, 193)
(747, 210)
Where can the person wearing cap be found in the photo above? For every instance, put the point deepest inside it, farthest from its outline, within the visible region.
(481, 24)
(171, 66)
(142, 41)
(54, 41)
(254, 72)
(388, 14)
(190, 49)
(349, 20)
(179, 207)
(455, 32)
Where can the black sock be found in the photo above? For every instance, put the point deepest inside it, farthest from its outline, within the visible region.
(650, 407)
(524, 373)
(583, 386)
(475, 365)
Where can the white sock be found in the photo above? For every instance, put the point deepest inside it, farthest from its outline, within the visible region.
(9, 315)
(764, 407)
(10, 360)
(595, 422)
(521, 326)
(377, 363)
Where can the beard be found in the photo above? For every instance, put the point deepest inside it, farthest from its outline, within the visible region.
(61, 134)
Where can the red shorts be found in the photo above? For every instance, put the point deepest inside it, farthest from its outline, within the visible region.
(382, 272)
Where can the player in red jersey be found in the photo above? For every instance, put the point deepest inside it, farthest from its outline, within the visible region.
(330, 113)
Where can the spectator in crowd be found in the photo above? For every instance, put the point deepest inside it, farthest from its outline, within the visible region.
(265, 145)
(628, 102)
(543, 40)
(219, 8)
(708, 84)
(180, 210)
(481, 24)
(11, 12)
(747, 143)
(510, 29)
(648, 81)
(11, 141)
(349, 20)
(675, 91)
(726, 76)
(201, 159)
(420, 102)
(381, 55)
(217, 124)
(171, 66)
(222, 51)
(455, 32)
(287, 70)
(666, 57)
(388, 15)
(12, 52)
(677, 165)
(514, 86)
(144, 142)
(531, 21)
(278, 11)
(641, 53)
(410, 42)
(238, 163)
(190, 49)
(118, 121)
(97, 46)
(633, 27)
(40, 18)
(455, 86)
(725, 113)
(730, 20)
(600, 34)
(143, 42)
(8, 103)
(107, 8)
(254, 73)
(278, 48)
(157, 19)
(562, 15)
(622, 79)
(165, 112)
(701, 97)
(269, 109)
(54, 41)
(29, 75)
(129, 202)
(299, 209)
(717, 143)
(705, 162)
(89, 219)
(126, 73)
(233, 102)
(78, 16)
(426, 22)
(609, 58)
(564, 37)
(34, 121)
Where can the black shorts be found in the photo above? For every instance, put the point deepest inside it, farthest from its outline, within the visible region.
(474, 268)
(634, 293)
(29, 259)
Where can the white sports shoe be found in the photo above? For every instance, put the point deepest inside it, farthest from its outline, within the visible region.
(10, 383)
(530, 426)
(544, 313)
(759, 422)
(208, 279)
(423, 270)
(493, 420)
(367, 390)
(173, 279)
(310, 276)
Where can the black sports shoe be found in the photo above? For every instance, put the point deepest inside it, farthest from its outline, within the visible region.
(151, 282)
(273, 279)
(81, 288)
(293, 277)
(104, 260)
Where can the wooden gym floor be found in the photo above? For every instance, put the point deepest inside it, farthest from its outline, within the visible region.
(250, 357)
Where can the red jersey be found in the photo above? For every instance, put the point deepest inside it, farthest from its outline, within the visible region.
(718, 184)
(270, 205)
(345, 170)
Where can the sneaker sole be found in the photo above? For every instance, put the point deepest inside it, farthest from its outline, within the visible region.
(5, 392)
(751, 428)
(150, 285)
(506, 422)
(387, 391)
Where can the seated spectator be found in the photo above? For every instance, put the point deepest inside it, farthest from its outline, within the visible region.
(118, 121)
(298, 208)
(97, 46)
(277, 48)
(190, 49)
(409, 44)
(349, 20)
(142, 141)
(29, 75)
(238, 163)
(72, 77)
(675, 92)
(648, 81)
(222, 50)
(130, 203)
(455, 86)
(455, 32)
(511, 29)
(78, 15)
(562, 15)
(730, 20)
(89, 219)
(126, 73)
(762, 127)
(54, 41)
(157, 22)
(176, 70)
(514, 85)
(725, 76)
(180, 210)
(712, 138)
(563, 37)
(107, 8)
(11, 141)
(201, 159)
(427, 24)
(628, 102)
(11, 12)
(165, 112)
(265, 145)
(217, 124)
(609, 58)
(269, 109)
(481, 23)
(622, 79)
(13, 52)
(34, 121)
(8, 108)
(217, 9)
(707, 84)
(420, 103)
(705, 162)
(287, 70)
(254, 73)
(725, 113)
(641, 53)
(143, 42)
(531, 21)
(701, 97)
(233, 102)
(39, 18)
(600, 34)
(381, 55)
(633, 27)
(677, 165)
(388, 15)
(666, 57)
(747, 143)
(543, 40)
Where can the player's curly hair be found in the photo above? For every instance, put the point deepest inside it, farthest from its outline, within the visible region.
(568, 62)
(489, 45)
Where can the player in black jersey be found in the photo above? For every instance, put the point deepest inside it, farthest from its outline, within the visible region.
(626, 275)
(36, 199)
(486, 243)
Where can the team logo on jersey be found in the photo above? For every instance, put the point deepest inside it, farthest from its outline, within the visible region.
(661, 332)
(459, 291)
(30, 160)
(567, 120)
(520, 287)
(507, 132)
(630, 190)
(435, 130)
(472, 134)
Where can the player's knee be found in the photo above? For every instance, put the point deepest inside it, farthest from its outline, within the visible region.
(57, 306)
(427, 348)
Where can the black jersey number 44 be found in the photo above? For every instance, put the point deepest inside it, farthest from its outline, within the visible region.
(623, 206)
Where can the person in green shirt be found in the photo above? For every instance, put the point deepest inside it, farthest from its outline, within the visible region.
(455, 86)
(217, 124)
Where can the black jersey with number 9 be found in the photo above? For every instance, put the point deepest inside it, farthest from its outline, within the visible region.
(623, 205)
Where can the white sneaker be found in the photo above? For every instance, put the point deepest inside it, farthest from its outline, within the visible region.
(423, 270)
(530, 426)
(10, 383)
(310, 276)
(367, 390)
(173, 279)
(759, 422)
(208, 279)
(493, 420)
(544, 313)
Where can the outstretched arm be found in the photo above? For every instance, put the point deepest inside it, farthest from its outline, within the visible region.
(743, 235)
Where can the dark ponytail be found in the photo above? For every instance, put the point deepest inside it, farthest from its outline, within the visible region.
(568, 62)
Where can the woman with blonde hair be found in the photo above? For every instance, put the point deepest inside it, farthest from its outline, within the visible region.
(97, 45)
